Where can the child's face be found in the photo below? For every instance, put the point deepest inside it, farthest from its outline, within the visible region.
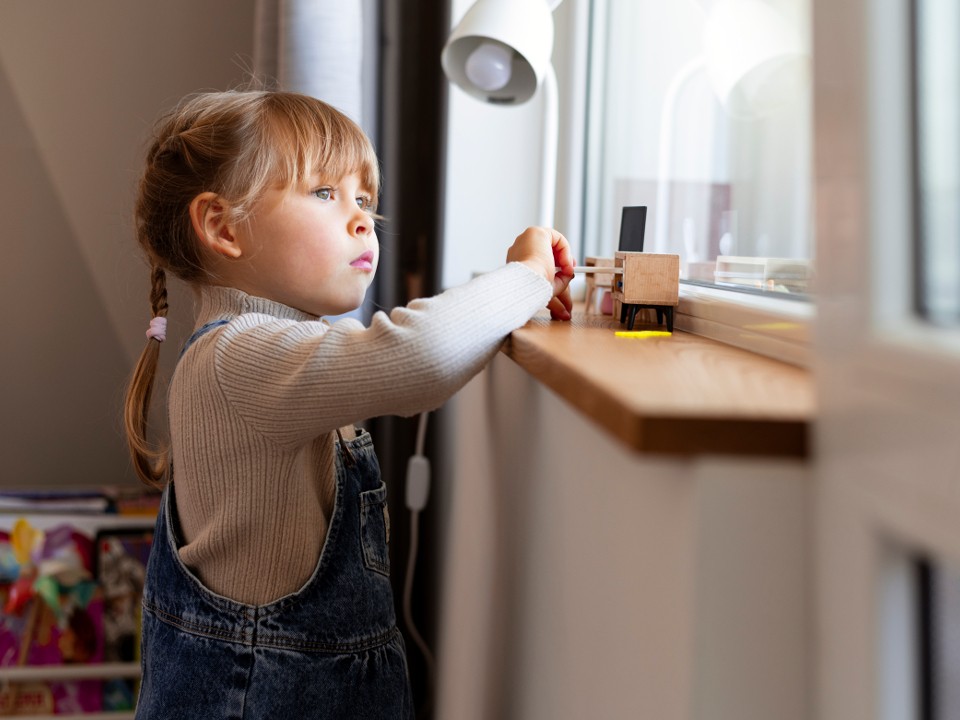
(312, 247)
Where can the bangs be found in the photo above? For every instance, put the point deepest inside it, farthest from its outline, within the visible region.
(311, 138)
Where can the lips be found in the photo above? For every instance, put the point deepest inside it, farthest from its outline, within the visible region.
(364, 262)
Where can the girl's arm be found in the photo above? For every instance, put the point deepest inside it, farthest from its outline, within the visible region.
(294, 380)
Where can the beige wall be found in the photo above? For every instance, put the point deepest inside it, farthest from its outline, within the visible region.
(80, 85)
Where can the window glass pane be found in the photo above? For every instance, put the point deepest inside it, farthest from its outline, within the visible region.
(937, 123)
(700, 110)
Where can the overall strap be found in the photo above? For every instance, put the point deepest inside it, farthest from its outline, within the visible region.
(200, 333)
(345, 450)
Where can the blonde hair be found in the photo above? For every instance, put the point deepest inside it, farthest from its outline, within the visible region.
(237, 144)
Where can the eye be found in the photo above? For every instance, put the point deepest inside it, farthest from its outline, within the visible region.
(324, 193)
(364, 202)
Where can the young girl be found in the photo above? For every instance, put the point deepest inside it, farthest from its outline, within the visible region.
(267, 591)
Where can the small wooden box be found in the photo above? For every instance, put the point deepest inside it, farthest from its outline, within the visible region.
(649, 280)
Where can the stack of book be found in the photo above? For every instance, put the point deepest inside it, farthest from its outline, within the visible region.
(55, 501)
(112, 500)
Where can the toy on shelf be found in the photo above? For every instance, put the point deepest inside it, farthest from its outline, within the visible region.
(52, 614)
(633, 227)
(121, 568)
(597, 281)
(633, 223)
(646, 280)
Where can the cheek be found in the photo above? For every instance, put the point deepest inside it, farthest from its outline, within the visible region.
(314, 249)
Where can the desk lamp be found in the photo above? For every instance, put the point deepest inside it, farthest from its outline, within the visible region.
(500, 53)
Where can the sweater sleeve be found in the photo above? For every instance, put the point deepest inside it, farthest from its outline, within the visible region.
(292, 380)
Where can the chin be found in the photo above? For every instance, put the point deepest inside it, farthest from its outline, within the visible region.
(342, 310)
(332, 306)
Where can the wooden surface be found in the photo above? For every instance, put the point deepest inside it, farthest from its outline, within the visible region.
(682, 394)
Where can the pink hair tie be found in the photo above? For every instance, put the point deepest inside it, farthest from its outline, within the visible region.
(158, 329)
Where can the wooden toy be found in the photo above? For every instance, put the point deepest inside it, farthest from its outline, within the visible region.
(646, 280)
(596, 280)
(633, 225)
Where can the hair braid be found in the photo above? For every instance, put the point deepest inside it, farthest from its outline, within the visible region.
(150, 463)
(158, 291)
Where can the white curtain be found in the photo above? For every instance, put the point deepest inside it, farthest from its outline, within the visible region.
(315, 47)
(327, 49)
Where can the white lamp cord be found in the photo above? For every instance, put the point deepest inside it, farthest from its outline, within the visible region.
(417, 491)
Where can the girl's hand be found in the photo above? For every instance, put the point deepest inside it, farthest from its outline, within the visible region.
(547, 252)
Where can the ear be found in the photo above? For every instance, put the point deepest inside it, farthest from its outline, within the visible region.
(208, 213)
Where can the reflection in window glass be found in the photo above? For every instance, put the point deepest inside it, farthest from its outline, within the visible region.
(937, 157)
(700, 110)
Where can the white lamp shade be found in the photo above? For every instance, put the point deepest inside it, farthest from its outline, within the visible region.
(520, 30)
(754, 59)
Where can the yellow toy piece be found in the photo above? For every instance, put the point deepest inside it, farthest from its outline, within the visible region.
(642, 333)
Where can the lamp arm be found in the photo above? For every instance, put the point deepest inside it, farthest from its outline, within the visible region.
(667, 120)
(548, 157)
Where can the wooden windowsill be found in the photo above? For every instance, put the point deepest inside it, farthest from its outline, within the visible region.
(680, 395)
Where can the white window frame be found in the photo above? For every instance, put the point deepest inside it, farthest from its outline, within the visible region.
(776, 328)
(895, 326)
(889, 382)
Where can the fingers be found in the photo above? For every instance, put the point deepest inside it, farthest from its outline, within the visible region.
(561, 304)
(562, 255)
(558, 309)
(566, 300)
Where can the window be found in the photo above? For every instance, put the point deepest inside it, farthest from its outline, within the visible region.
(886, 498)
(936, 154)
(701, 112)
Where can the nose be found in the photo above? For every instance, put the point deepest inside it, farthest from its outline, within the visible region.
(361, 223)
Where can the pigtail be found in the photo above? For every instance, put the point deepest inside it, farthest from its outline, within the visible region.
(149, 463)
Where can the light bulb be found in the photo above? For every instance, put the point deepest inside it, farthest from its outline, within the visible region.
(489, 66)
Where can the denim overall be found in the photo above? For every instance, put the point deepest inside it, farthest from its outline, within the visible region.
(330, 650)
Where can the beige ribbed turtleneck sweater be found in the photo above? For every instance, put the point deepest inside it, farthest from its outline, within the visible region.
(254, 406)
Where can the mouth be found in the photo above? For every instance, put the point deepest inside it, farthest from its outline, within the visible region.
(364, 262)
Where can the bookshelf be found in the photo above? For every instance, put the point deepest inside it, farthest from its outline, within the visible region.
(96, 528)
(122, 715)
